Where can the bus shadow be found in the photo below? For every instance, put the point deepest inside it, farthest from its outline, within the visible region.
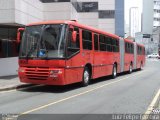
(50, 88)
(9, 77)
(67, 88)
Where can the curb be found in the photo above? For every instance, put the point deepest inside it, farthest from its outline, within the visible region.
(14, 87)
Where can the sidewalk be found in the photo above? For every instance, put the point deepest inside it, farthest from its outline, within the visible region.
(11, 82)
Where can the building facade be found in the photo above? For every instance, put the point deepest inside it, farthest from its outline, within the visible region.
(151, 15)
(107, 15)
(134, 21)
(156, 15)
(151, 22)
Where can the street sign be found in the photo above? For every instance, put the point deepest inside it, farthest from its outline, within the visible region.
(146, 36)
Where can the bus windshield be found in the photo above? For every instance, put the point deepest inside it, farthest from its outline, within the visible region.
(43, 41)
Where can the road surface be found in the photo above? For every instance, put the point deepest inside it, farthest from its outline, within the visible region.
(127, 94)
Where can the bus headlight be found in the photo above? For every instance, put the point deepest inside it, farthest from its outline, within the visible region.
(21, 70)
(55, 73)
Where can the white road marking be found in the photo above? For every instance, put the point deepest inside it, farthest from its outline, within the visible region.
(152, 104)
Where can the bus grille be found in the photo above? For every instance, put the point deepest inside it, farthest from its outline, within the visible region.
(36, 73)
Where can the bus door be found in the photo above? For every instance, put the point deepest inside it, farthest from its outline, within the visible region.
(87, 47)
(97, 58)
(74, 68)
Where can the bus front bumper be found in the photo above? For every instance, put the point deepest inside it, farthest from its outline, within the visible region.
(45, 76)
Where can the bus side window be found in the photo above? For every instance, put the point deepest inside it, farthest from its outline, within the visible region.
(116, 45)
(87, 40)
(77, 38)
(102, 43)
(96, 42)
(72, 47)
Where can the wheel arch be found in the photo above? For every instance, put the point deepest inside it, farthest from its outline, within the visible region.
(89, 66)
(115, 63)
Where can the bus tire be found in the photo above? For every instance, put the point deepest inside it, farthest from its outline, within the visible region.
(114, 71)
(130, 68)
(86, 77)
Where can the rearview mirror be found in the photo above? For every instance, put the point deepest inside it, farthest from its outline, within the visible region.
(74, 36)
(19, 34)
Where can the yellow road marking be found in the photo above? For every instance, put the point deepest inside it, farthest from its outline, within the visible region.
(151, 106)
(76, 95)
(2, 92)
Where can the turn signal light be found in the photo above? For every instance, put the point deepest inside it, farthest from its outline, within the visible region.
(21, 70)
(54, 73)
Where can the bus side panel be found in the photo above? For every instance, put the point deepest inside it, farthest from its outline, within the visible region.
(122, 53)
(138, 61)
(108, 62)
(116, 59)
(74, 69)
(73, 75)
(143, 58)
(128, 59)
(97, 65)
(103, 64)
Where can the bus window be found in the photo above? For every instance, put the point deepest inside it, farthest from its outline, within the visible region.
(117, 46)
(102, 43)
(72, 47)
(95, 42)
(77, 40)
(87, 40)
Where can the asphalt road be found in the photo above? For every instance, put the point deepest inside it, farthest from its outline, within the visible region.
(127, 94)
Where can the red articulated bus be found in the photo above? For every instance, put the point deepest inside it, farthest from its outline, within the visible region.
(66, 52)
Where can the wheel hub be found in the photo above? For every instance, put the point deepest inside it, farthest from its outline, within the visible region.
(86, 76)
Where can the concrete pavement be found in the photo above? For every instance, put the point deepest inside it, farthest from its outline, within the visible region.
(11, 82)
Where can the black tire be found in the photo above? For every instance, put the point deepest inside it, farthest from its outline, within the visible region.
(114, 71)
(130, 68)
(86, 77)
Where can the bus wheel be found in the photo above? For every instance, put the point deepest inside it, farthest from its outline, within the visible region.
(86, 77)
(130, 69)
(114, 71)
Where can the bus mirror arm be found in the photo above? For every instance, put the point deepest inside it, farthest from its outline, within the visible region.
(74, 36)
(19, 34)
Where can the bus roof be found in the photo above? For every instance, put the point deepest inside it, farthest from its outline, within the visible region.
(140, 45)
(128, 40)
(75, 23)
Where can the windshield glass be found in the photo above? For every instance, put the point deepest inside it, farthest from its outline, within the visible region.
(43, 41)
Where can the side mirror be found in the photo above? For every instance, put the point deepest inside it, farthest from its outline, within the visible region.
(19, 34)
(74, 36)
